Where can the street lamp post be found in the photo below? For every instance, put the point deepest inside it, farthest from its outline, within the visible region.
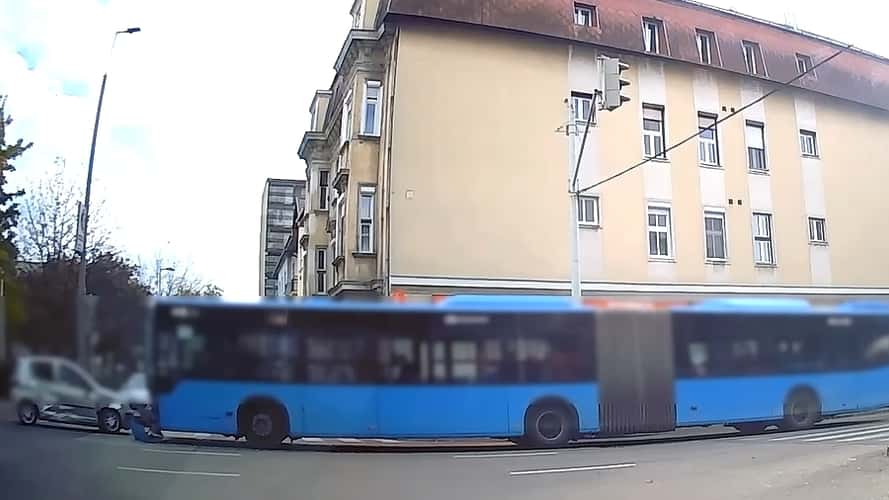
(159, 271)
(82, 224)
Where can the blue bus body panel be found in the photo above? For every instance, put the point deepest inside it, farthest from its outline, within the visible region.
(737, 399)
(374, 411)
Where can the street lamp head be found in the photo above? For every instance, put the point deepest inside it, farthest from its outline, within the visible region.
(170, 269)
(130, 30)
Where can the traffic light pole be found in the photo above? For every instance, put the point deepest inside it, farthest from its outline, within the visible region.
(572, 198)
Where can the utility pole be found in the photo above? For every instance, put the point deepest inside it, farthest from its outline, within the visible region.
(572, 199)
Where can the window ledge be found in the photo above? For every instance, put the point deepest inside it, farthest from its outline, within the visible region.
(320, 211)
(589, 226)
(754, 171)
(814, 157)
(667, 260)
(818, 243)
(763, 265)
(365, 255)
(711, 165)
(716, 262)
(369, 137)
(656, 159)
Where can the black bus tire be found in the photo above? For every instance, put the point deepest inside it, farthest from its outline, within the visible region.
(549, 425)
(264, 425)
(802, 410)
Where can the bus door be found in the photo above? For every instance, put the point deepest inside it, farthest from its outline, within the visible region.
(635, 371)
(441, 374)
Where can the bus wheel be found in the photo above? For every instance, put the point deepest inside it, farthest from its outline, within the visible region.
(801, 410)
(549, 426)
(263, 426)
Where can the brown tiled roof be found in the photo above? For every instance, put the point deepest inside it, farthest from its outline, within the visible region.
(856, 75)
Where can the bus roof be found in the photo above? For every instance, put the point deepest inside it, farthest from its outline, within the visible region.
(474, 303)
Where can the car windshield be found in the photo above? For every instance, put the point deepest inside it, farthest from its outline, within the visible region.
(136, 381)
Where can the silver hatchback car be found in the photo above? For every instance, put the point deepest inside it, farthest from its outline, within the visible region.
(58, 390)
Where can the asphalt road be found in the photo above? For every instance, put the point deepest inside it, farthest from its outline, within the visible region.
(840, 460)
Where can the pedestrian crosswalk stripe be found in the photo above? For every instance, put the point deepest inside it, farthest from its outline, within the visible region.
(862, 438)
(845, 434)
(824, 433)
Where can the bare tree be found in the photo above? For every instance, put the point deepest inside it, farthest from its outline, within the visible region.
(48, 227)
(175, 278)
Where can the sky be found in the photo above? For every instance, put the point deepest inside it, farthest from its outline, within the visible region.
(208, 101)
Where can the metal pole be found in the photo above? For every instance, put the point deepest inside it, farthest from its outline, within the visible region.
(82, 346)
(572, 199)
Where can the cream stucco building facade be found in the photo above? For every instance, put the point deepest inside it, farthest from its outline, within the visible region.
(437, 161)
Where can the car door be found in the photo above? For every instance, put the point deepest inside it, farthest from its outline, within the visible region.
(40, 382)
(75, 392)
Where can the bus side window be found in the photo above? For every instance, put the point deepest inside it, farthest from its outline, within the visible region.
(464, 361)
(877, 351)
(398, 362)
(698, 359)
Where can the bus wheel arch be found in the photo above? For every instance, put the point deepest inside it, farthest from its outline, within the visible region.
(263, 420)
(802, 408)
(550, 421)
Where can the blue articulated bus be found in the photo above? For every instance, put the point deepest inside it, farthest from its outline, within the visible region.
(539, 370)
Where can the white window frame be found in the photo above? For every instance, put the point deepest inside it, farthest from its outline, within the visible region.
(714, 213)
(340, 230)
(813, 230)
(749, 49)
(588, 218)
(808, 143)
(366, 192)
(767, 238)
(585, 15)
(321, 270)
(701, 37)
(704, 144)
(760, 129)
(376, 102)
(323, 189)
(659, 209)
(651, 45)
(803, 64)
(346, 125)
(654, 135)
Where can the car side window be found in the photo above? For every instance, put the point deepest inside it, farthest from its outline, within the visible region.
(70, 377)
(42, 371)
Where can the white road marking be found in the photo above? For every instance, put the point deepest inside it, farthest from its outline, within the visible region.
(190, 452)
(507, 455)
(862, 438)
(571, 469)
(179, 472)
(846, 434)
(824, 433)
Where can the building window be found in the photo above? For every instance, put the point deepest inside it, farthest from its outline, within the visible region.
(653, 131)
(371, 122)
(588, 210)
(753, 58)
(804, 64)
(708, 143)
(366, 219)
(817, 230)
(807, 143)
(659, 233)
(346, 127)
(706, 46)
(321, 270)
(714, 235)
(323, 183)
(341, 226)
(763, 249)
(585, 15)
(581, 107)
(652, 35)
(756, 150)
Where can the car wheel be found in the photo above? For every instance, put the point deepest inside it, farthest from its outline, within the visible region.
(549, 426)
(109, 421)
(28, 413)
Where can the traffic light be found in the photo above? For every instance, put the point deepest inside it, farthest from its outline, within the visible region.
(612, 83)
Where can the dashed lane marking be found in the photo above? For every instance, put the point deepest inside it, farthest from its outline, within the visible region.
(179, 472)
(571, 469)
